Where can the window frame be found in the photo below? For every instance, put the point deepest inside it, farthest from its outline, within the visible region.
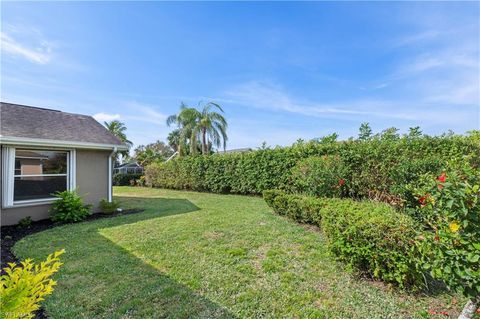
(8, 173)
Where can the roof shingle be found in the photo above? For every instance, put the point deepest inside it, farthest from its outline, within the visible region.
(39, 123)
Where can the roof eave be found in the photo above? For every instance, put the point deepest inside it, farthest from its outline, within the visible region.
(24, 141)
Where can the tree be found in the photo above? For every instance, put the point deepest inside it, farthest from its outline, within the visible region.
(365, 131)
(152, 152)
(193, 125)
(185, 121)
(414, 132)
(211, 126)
(173, 139)
(118, 129)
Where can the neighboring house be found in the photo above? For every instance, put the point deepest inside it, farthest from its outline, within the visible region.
(128, 168)
(44, 151)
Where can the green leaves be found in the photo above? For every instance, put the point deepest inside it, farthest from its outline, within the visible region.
(371, 237)
(379, 167)
(69, 207)
(451, 245)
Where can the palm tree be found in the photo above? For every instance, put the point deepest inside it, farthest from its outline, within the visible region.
(185, 121)
(207, 124)
(118, 129)
(211, 126)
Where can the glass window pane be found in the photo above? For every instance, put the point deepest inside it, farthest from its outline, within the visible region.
(38, 187)
(34, 162)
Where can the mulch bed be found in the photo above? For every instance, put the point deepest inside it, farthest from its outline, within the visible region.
(11, 234)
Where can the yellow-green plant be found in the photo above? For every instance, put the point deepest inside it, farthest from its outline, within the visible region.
(24, 286)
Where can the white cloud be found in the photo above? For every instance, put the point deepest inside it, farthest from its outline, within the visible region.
(101, 117)
(41, 54)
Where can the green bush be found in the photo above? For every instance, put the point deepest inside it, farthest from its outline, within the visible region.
(121, 179)
(69, 207)
(378, 168)
(371, 237)
(25, 221)
(450, 245)
(109, 207)
(320, 176)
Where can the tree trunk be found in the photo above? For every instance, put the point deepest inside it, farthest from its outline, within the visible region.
(469, 309)
(204, 141)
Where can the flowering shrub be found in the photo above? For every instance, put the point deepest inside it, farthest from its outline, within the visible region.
(23, 287)
(320, 176)
(450, 247)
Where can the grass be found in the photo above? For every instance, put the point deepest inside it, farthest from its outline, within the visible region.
(196, 255)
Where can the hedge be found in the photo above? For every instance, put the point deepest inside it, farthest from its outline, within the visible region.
(368, 236)
(121, 179)
(378, 168)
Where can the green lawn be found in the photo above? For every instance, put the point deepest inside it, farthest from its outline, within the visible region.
(196, 255)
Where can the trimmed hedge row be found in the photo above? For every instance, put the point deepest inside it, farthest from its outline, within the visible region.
(121, 179)
(376, 168)
(371, 237)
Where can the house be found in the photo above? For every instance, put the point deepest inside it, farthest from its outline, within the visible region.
(128, 168)
(44, 151)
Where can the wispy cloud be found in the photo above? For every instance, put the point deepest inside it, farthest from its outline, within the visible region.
(38, 50)
(273, 97)
(135, 111)
(144, 113)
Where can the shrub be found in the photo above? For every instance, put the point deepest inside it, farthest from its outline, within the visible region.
(320, 176)
(109, 207)
(378, 168)
(121, 179)
(371, 237)
(450, 246)
(25, 222)
(24, 287)
(69, 207)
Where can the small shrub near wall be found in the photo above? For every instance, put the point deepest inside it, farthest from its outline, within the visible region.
(69, 207)
(368, 236)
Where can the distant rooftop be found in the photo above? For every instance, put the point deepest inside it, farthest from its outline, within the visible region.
(236, 150)
(22, 121)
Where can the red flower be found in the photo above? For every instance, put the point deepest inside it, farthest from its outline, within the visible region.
(437, 238)
(442, 178)
(341, 182)
(423, 200)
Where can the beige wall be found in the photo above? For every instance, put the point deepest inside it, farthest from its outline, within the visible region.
(91, 184)
(92, 175)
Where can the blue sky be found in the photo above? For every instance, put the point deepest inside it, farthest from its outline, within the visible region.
(282, 71)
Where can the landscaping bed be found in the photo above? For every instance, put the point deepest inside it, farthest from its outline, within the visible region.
(11, 234)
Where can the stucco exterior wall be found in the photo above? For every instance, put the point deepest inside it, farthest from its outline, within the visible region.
(91, 184)
(92, 175)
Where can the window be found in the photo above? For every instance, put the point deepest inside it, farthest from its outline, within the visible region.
(39, 173)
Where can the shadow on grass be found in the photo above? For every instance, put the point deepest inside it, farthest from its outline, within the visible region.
(100, 279)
